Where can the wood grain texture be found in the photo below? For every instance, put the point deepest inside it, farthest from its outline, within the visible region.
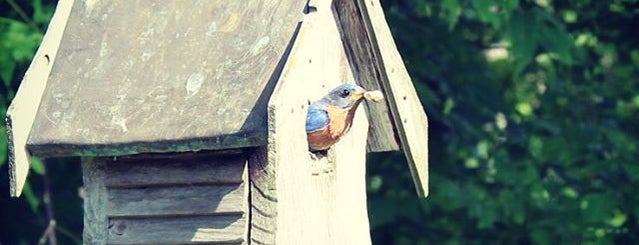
(263, 198)
(190, 168)
(169, 76)
(184, 209)
(382, 135)
(327, 206)
(176, 200)
(95, 213)
(21, 114)
(408, 113)
(178, 230)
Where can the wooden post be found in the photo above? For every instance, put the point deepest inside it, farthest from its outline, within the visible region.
(95, 219)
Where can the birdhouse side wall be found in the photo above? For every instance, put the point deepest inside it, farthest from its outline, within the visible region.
(166, 199)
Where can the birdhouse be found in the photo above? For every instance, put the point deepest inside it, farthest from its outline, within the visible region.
(189, 117)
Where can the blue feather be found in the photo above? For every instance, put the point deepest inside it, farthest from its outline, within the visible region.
(316, 118)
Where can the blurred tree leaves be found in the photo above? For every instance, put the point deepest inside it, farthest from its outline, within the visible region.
(20, 35)
(533, 124)
(18, 44)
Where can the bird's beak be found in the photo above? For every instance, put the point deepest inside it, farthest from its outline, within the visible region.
(359, 94)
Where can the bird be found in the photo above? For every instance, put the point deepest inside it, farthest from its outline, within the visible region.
(330, 118)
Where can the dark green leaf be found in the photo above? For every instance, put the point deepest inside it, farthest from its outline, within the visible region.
(31, 198)
(37, 166)
(3, 146)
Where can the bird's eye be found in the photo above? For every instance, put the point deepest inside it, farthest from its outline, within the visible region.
(345, 93)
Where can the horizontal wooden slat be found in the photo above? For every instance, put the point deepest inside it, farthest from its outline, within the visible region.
(157, 171)
(178, 230)
(177, 200)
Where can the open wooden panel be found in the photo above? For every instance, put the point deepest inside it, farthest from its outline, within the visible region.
(372, 52)
(22, 111)
(316, 201)
(382, 135)
(190, 198)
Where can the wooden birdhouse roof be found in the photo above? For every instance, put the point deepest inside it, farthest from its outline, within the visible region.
(135, 76)
(126, 77)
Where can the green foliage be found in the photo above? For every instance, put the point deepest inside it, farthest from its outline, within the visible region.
(533, 124)
(19, 38)
(3, 146)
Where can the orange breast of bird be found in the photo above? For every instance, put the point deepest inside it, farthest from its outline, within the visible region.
(340, 123)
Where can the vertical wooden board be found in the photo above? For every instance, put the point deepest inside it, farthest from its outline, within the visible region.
(95, 214)
(409, 117)
(263, 198)
(349, 220)
(22, 111)
(287, 151)
(346, 200)
(178, 230)
(310, 208)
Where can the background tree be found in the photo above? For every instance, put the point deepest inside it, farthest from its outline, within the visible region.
(534, 126)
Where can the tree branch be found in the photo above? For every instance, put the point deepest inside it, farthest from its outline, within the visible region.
(48, 205)
(24, 15)
(47, 234)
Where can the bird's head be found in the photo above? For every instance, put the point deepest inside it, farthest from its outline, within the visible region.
(345, 96)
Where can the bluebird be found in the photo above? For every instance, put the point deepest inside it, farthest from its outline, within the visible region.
(329, 118)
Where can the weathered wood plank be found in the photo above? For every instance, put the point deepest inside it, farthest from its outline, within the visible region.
(178, 230)
(95, 218)
(177, 200)
(21, 114)
(408, 114)
(170, 76)
(311, 208)
(263, 212)
(189, 168)
(360, 53)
